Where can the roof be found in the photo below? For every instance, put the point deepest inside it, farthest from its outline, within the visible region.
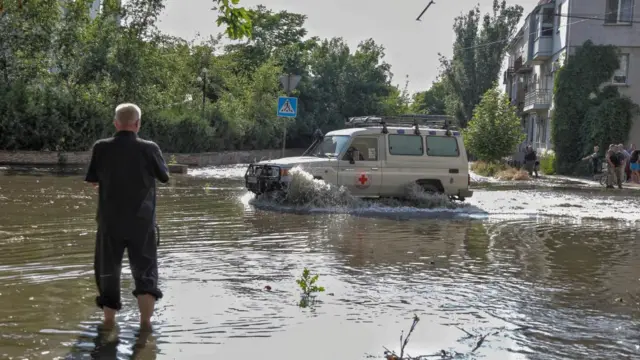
(392, 130)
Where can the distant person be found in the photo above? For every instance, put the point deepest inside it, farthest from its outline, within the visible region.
(595, 160)
(625, 156)
(616, 166)
(530, 159)
(627, 168)
(125, 168)
(634, 162)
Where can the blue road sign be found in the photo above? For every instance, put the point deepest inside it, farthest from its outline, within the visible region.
(287, 106)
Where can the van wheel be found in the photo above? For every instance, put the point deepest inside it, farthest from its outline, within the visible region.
(431, 186)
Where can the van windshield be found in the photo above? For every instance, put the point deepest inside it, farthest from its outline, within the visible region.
(331, 146)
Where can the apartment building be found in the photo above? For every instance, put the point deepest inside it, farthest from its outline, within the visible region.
(542, 43)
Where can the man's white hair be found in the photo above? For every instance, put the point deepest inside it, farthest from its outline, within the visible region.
(128, 113)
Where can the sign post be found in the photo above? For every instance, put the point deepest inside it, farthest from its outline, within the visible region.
(287, 105)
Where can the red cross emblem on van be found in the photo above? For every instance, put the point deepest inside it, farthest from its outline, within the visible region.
(362, 181)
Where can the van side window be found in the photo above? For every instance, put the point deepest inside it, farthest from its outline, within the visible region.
(442, 146)
(367, 148)
(406, 145)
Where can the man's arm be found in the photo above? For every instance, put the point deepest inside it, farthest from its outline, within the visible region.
(160, 169)
(92, 172)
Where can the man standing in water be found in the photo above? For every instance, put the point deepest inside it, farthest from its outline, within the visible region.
(125, 169)
(615, 167)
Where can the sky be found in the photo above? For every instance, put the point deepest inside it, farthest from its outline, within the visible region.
(412, 46)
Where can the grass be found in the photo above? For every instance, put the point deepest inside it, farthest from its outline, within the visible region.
(512, 174)
(498, 170)
(489, 169)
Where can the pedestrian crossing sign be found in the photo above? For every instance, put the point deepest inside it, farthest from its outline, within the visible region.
(287, 106)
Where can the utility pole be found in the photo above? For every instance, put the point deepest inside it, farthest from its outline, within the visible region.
(289, 82)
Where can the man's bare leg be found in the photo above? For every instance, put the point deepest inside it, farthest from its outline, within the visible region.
(146, 304)
(109, 317)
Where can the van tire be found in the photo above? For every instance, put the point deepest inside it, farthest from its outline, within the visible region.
(431, 186)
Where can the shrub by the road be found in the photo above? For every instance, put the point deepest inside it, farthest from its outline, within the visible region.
(548, 163)
(513, 174)
(489, 169)
(498, 170)
(494, 132)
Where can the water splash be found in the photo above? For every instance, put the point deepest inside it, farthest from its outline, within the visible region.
(305, 192)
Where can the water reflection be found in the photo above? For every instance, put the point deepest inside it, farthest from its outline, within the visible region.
(111, 345)
(570, 280)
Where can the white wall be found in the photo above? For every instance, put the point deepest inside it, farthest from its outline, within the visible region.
(560, 33)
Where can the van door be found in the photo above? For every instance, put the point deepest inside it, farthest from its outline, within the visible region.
(364, 177)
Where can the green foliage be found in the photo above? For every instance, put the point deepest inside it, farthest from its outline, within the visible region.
(488, 169)
(478, 52)
(587, 114)
(307, 284)
(494, 131)
(62, 74)
(432, 101)
(237, 19)
(548, 163)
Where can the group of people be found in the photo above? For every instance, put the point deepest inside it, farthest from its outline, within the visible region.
(620, 161)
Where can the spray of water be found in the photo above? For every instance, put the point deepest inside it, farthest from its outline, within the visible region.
(306, 192)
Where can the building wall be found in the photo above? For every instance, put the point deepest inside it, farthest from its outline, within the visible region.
(626, 37)
(560, 32)
(201, 159)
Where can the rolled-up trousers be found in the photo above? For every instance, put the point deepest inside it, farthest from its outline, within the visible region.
(142, 250)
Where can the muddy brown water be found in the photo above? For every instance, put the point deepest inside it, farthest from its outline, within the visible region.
(547, 274)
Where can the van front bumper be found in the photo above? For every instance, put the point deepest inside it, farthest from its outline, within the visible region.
(260, 179)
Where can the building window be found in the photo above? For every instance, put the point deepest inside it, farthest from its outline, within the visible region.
(406, 145)
(620, 76)
(619, 12)
(546, 28)
(558, 18)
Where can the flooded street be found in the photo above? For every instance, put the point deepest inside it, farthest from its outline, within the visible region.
(541, 273)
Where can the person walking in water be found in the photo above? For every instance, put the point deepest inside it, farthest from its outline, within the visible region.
(615, 167)
(125, 169)
(530, 158)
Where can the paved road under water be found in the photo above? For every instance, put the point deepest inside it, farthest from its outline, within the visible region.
(546, 273)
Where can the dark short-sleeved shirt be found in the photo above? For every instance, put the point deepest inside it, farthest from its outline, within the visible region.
(126, 169)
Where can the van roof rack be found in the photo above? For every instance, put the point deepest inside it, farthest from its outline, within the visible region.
(415, 121)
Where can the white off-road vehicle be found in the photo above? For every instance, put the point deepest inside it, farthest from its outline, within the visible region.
(377, 157)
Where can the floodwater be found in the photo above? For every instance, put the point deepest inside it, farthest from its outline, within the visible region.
(539, 272)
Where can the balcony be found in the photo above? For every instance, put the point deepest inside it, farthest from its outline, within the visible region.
(520, 66)
(542, 49)
(537, 100)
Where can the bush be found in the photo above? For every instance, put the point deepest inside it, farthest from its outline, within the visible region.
(548, 163)
(498, 170)
(495, 130)
(489, 169)
(513, 174)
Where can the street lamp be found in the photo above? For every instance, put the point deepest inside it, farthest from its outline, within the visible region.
(203, 79)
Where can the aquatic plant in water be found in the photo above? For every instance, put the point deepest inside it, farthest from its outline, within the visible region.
(307, 284)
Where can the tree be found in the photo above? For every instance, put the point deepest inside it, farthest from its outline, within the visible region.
(478, 52)
(494, 131)
(586, 113)
(58, 91)
(237, 19)
(432, 101)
